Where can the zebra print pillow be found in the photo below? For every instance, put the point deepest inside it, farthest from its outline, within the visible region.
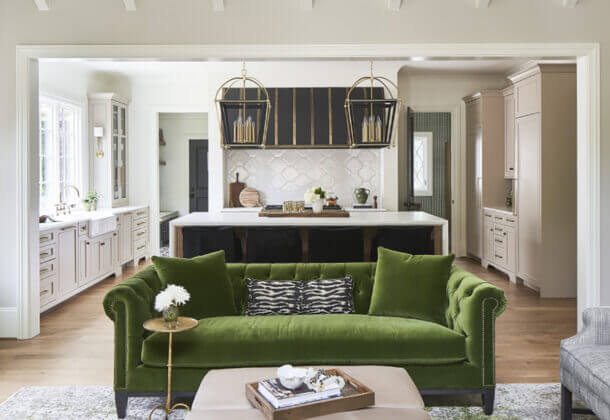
(327, 296)
(272, 297)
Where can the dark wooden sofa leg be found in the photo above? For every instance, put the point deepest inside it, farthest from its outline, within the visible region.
(120, 399)
(566, 403)
(488, 401)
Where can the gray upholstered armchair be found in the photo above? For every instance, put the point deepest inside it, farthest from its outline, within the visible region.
(584, 367)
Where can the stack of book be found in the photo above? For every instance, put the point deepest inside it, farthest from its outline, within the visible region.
(280, 396)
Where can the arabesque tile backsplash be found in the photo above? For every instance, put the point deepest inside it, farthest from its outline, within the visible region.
(281, 175)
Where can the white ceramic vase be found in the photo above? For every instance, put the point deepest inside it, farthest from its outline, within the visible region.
(318, 205)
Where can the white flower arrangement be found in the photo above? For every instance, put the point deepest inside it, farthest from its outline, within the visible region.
(172, 295)
(314, 194)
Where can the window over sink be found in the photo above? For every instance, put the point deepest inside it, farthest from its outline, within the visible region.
(60, 139)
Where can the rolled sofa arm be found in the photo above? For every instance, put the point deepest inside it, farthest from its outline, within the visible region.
(473, 306)
(128, 305)
(595, 328)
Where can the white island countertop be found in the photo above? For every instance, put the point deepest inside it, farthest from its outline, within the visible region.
(388, 218)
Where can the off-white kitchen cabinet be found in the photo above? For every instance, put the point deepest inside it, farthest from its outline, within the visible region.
(110, 111)
(485, 183)
(71, 260)
(67, 248)
(509, 132)
(545, 193)
(500, 241)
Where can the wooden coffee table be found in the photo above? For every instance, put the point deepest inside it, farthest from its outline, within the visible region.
(221, 394)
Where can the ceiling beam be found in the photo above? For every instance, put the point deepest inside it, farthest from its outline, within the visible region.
(218, 5)
(481, 4)
(394, 5)
(306, 5)
(130, 5)
(43, 5)
(570, 3)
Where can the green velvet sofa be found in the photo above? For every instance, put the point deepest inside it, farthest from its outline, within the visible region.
(456, 356)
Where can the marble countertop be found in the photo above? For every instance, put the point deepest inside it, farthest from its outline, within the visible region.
(359, 218)
(70, 219)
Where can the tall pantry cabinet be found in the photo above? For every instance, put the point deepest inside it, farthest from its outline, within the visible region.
(484, 163)
(545, 199)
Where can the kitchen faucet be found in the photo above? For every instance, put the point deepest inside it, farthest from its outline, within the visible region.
(63, 207)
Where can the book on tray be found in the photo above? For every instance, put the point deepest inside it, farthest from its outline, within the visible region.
(280, 396)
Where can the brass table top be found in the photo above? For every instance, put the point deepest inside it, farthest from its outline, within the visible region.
(158, 325)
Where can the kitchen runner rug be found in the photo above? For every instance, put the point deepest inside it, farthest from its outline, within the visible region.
(513, 401)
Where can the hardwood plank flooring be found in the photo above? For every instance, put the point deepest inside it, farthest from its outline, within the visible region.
(75, 346)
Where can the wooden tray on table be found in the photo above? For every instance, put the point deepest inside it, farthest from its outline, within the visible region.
(355, 396)
(306, 213)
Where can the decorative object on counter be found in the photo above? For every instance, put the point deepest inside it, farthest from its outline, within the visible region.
(235, 188)
(331, 199)
(162, 141)
(239, 117)
(305, 213)
(371, 120)
(167, 302)
(291, 377)
(374, 201)
(316, 196)
(291, 206)
(249, 197)
(509, 199)
(158, 325)
(91, 200)
(361, 195)
(98, 133)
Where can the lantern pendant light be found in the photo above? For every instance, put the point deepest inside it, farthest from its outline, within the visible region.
(243, 112)
(371, 112)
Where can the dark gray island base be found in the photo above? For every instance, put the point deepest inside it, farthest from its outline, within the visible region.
(253, 244)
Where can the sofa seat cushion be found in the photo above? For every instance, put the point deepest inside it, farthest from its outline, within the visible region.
(239, 341)
(589, 364)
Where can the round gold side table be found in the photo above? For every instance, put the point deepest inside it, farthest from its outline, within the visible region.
(158, 325)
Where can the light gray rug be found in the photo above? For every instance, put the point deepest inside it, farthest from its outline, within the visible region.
(513, 401)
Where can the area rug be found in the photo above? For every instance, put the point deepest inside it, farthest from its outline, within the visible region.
(513, 401)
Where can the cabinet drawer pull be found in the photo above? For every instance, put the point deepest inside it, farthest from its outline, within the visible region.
(52, 288)
(497, 218)
(140, 224)
(87, 243)
(139, 213)
(510, 220)
(44, 271)
(504, 233)
(141, 247)
(114, 234)
(102, 243)
(498, 256)
(511, 169)
(45, 254)
(46, 238)
(499, 241)
(44, 292)
(67, 228)
(141, 233)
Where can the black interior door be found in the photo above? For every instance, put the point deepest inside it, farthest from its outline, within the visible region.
(198, 175)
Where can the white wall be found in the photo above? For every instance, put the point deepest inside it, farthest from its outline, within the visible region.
(280, 21)
(178, 129)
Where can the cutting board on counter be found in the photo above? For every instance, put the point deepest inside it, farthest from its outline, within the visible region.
(249, 197)
(235, 188)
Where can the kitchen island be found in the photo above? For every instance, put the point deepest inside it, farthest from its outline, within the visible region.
(246, 237)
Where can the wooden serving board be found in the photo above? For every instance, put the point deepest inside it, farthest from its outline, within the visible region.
(355, 396)
(235, 188)
(306, 213)
(249, 197)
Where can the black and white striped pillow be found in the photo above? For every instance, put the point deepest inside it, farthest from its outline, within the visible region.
(333, 296)
(272, 297)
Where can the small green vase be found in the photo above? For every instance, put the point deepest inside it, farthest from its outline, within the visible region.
(170, 316)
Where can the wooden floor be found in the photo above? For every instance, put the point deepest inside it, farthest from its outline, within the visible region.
(75, 346)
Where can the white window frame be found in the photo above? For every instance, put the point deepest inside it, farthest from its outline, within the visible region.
(55, 103)
(429, 169)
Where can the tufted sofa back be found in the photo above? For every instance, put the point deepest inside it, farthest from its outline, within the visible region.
(363, 275)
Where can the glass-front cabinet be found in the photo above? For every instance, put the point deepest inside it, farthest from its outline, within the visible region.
(110, 111)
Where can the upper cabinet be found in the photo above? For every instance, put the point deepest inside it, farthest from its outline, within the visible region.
(509, 132)
(109, 111)
(306, 118)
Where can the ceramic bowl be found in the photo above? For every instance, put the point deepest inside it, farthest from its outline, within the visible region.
(291, 377)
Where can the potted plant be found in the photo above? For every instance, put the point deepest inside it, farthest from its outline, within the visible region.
(91, 200)
(316, 197)
(167, 303)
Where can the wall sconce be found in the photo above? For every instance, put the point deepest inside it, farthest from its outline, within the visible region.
(98, 133)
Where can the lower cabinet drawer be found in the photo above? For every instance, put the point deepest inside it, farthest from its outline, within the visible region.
(500, 254)
(140, 234)
(47, 290)
(140, 247)
(48, 268)
(48, 252)
(140, 224)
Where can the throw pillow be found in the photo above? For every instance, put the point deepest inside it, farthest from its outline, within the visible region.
(332, 296)
(205, 278)
(270, 297)
(412, 286)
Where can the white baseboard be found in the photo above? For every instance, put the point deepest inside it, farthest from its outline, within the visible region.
(8, 323)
